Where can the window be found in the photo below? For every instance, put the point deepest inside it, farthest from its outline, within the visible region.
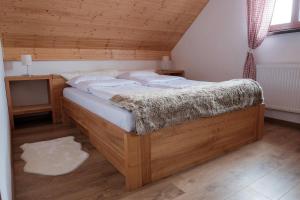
(286, 16)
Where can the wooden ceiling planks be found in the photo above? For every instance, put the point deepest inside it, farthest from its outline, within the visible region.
(154, 25)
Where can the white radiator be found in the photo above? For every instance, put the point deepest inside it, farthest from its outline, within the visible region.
(281, 86)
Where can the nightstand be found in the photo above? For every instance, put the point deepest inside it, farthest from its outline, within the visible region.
(171, 72)
(21, 110)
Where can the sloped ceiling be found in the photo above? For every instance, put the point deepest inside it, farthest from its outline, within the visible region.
(155, 25)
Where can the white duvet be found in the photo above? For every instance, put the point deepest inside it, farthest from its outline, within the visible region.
(108, 92)
(177, 84)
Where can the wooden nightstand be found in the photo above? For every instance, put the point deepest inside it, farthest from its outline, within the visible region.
(29, 109)
(171, 72)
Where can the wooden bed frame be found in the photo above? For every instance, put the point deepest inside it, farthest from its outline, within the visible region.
(147, 158)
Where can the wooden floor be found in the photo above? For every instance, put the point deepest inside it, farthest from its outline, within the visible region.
(266, 170)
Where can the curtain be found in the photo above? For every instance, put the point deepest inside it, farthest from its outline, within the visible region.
(259, 19)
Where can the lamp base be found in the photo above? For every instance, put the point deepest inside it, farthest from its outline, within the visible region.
(27, 71)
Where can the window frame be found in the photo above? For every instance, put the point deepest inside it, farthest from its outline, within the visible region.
(289, 27)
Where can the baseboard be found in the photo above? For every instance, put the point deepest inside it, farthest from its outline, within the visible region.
(283, 116)
(282, 122)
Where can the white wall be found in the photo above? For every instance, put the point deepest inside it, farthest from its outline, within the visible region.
(283, 48)
(5, 160)
(51, 67)
(214, 47)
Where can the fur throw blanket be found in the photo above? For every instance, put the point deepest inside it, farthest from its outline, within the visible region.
(157, 110)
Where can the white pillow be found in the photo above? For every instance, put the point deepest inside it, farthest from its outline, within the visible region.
(112, 73)
(129, 75)
(69, 75)
(82, 78)
(87, 85)
(113, 83)
(83, 86)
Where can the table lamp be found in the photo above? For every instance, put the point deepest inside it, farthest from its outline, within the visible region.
(165, 63)
(26, 61)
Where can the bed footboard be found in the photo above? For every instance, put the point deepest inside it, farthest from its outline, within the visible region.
(177, 148)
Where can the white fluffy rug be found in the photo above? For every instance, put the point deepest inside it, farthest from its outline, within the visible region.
(53, 157)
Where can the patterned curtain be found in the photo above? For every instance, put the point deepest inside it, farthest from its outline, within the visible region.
(259, 19)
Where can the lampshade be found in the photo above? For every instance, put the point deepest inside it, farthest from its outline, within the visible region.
(166, 58)
(26, 60)
(165, 63)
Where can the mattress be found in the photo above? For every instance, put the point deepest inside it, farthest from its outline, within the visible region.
(101, 107)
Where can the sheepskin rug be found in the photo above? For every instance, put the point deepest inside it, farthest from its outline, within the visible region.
(53, 157)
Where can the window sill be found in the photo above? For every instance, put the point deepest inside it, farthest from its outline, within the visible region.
(283, 31)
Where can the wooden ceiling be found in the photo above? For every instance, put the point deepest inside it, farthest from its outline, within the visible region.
(154, 25)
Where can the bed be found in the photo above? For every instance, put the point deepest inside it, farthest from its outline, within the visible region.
(149, 157)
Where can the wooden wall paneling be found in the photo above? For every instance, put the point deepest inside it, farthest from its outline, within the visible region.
(12, 54)
(23, 41)
(97, 24)
(112, 37)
